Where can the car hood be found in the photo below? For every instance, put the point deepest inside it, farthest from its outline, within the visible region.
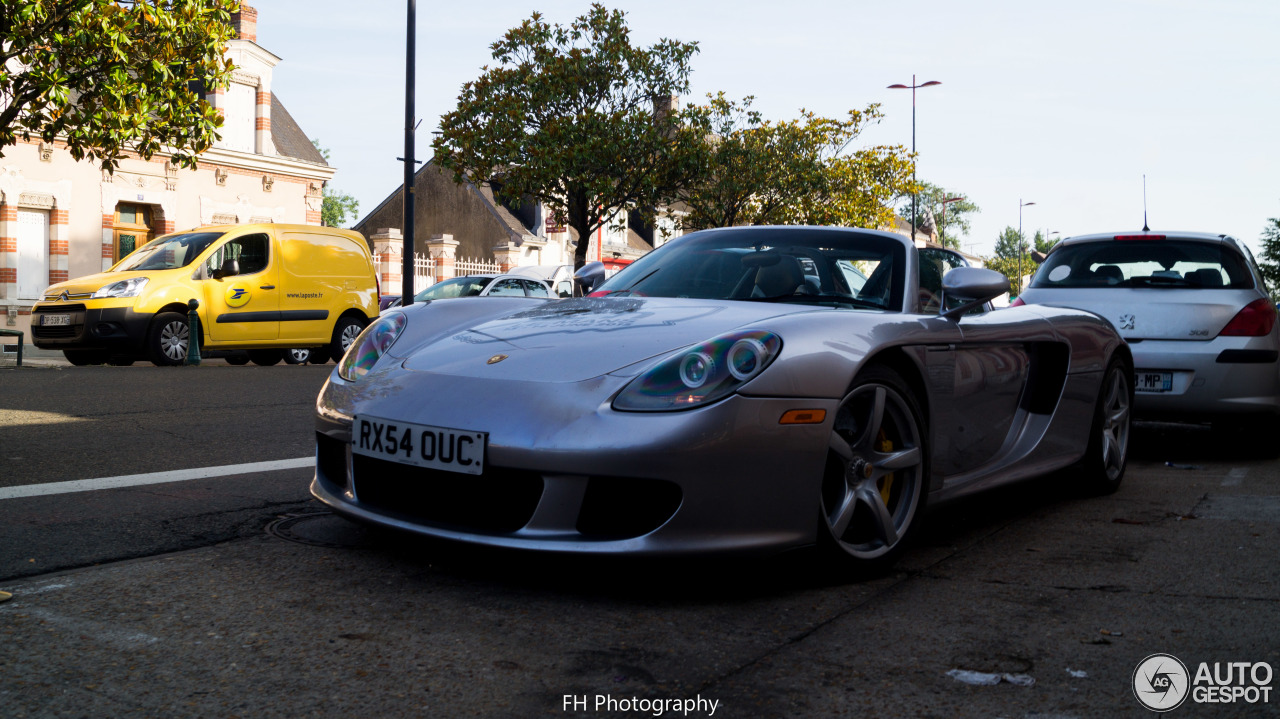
(570, 340)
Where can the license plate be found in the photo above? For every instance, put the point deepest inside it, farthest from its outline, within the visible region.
(421, 445)
(1154, 381)
(53, 320)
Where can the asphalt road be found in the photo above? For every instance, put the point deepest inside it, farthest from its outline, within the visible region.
(239, 596)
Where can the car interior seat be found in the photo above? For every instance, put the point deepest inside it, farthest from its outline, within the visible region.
(1206, 277)
(779, 279)
(1110, 273)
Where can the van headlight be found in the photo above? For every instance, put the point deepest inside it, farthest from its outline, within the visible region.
(372, 343)
(700, 374)
(124, 288)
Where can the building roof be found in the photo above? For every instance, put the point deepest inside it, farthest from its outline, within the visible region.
(288, 137)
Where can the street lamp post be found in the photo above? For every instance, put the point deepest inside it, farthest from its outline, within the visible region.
(408, 266)
(943, 222)
(1021, 205)
(913, 87)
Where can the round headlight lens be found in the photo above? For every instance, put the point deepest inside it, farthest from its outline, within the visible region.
(695, 368)
(746, 357)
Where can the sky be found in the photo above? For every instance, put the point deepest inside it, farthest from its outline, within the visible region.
(1065, 105)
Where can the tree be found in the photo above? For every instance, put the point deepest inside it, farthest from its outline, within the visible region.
(950, 219)
(109, 77)
(1270, 263)
(790, 172)
(1005, 260)
(576, 117)
(336, 205)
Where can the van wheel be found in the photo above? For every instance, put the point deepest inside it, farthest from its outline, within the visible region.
(81, 358)
(266, 358)
(345, 332)
(168, 340)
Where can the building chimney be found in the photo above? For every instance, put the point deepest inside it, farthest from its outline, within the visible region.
(246, 23)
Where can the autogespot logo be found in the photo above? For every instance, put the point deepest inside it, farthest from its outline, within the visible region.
(1161, 682)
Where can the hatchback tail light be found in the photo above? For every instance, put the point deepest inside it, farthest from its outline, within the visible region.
(1017, 302)
(1255, 320)
(1139, 237)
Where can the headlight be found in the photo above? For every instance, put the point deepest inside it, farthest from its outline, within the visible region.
(124, 288)
(374, 342)
(700, 374)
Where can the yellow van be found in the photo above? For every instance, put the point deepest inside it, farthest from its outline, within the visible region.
(265, 288)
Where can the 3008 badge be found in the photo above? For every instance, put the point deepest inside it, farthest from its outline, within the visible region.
(421, 445)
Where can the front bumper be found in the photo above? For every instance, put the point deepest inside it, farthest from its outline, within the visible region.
(1223, 376)
(566, 473)
(112, 328)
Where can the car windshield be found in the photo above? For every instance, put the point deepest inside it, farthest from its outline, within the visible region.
(456, 287)
(168, 252)
(1145, 263)
(826, 266)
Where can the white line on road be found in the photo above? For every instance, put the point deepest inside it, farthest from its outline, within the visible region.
(1235, 477)
(134, 480)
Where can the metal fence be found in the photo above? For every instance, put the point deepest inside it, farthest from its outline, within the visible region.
(425, 271)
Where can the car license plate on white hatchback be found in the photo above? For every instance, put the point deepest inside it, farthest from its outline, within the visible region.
(1153, 381)
(422, 445)
(54, 320)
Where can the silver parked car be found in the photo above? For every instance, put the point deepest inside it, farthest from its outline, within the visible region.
(746, 389)
(1192, 307)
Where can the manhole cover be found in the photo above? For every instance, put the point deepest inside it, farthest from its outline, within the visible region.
(321, 529)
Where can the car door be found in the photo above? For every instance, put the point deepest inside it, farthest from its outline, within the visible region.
(245, 306)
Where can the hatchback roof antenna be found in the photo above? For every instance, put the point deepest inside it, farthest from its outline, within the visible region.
(1145, 228)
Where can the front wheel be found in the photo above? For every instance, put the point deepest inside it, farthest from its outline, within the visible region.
(1107, 456)
(345, 331)
(875, 484)
(168, 339)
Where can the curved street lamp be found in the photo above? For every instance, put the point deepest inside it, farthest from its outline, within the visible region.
(1021, 205)
(912, 87)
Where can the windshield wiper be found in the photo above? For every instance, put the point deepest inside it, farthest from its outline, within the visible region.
(816, 298)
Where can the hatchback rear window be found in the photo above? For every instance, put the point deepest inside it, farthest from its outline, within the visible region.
(1154, 263)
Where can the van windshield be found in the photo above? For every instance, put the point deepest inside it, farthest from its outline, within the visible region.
(169, 252)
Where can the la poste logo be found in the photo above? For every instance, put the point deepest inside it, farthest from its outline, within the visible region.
(1161, 682)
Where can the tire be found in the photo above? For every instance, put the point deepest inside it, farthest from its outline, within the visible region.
(266, 358)
(167, 341)
(875, 485)
(81, 358)
(345, 332)
(297, 355)
(237, 359)
(1104, 461)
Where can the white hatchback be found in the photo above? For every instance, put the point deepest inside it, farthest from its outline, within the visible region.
(1194, 310)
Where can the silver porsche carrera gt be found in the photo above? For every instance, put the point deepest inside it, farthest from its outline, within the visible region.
(747, 389)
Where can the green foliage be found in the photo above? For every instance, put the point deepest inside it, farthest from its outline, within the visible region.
(1005, 259)
(337, 205)
(566, 116)
(790, 172)
(110, 77)
(1269, 265)
(951, 219)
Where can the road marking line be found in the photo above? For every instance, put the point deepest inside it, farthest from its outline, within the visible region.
(1235, 477)
(134, 480)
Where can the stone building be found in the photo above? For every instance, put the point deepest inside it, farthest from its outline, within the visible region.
(61, 219)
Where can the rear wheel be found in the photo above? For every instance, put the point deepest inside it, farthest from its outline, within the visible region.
(875, 484)
(297, 355)
(266, 358)
(1107, 456)
(168, 339)
(80, 358)
(345, 331)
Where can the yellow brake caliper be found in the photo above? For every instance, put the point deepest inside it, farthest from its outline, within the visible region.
(885, 445)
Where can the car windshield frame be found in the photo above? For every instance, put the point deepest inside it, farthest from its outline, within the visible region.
(761, 264)
(153, 256)
(1163, 263)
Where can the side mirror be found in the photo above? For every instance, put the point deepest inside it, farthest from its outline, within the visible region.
(973, 286)
(589, 277)
(228, 269)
